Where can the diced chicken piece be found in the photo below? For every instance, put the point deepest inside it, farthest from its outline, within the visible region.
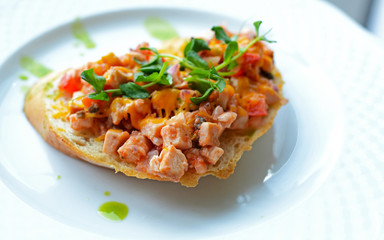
(79, 121)
(142, 106)
(119, 109)
(116, 76)
(196, 160)
(113, 140)
(171, 163)
(217, 112)
(209, 134)
(176, 135)
(135, 148)
(241, 120)
(152, 130)
(226, 119)
(190, 118)
(212, 154)
(137, 109)
(179, 119)
(143, 166)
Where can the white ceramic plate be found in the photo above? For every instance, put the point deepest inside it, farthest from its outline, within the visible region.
(285, 166)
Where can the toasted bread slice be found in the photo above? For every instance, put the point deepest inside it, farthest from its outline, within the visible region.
(58, 133)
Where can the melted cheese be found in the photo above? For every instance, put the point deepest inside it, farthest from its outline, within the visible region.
(167, 100)
(152, 120)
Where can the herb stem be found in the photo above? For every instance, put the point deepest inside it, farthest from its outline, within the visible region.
(241, 52)
(118, 91)
(181, 60)
(161, 73)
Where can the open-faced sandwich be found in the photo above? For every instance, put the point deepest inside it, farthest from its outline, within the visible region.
(178, 113)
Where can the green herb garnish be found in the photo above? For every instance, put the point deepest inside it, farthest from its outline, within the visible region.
(203, 78)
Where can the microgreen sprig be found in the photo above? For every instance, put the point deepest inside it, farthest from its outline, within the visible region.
(230, 61)
(203, 78)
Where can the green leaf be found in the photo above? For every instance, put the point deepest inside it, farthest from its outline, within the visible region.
(134, 91)
(99, 96)
(96, 81)
(151, 69)
(199, 84)
(214, 74)
(166, 79)
(150, 49)
(232, 65)
(196, 60)
(202, 73)
(141, 77)
(197, 45)
(220, 34)
(257, 27)
(220, 85)
(139, 62)
(198, 100)
(232, 47)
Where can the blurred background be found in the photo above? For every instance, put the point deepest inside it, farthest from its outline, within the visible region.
(369, 13)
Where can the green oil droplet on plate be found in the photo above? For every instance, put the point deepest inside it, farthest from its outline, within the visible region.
(114, 211)
(58, 177)
(160, 29)
(79, 32)
(107, 193)
(23, 77)
(34, 67)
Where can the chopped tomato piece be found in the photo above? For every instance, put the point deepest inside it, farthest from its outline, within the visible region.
(250, 58)
(255, 104)
(239, 72)
(87, 102)
(147, 53)
(70, 82)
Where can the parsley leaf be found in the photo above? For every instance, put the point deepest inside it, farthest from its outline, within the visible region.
(150, 49)
(141, 77)
(205, 87)
(151, 69)
(166, 79)
(232, 65)
(96, 81)
(220, 85)
(199, 84)
(194, 58)
(99, 96)
(257, 27)
(134, 91)
(196, 45)
(210, 74)
(198, 100)
(220, 34)
(159, 77)
(232, 47)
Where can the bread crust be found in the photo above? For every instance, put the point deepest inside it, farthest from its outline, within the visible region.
(59, 135)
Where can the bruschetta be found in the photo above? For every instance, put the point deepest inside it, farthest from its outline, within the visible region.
(177, 113)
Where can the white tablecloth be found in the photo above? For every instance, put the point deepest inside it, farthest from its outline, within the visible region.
(349, 205)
